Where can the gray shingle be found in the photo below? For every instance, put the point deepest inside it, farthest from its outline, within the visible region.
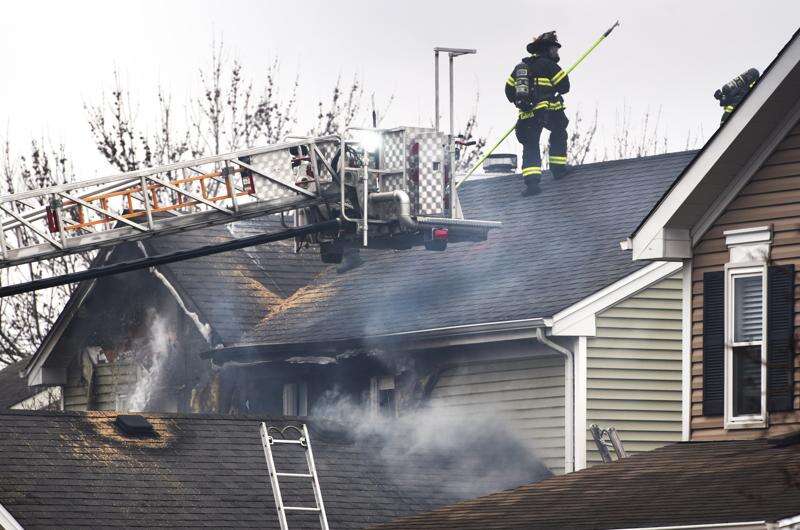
(235, 290)
(14, 388)
(680, 484)
(76, 470)
(554, 249)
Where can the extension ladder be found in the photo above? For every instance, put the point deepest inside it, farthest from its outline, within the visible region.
(305, 442)
(603, 446)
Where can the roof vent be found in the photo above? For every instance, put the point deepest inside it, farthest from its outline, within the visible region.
(500, 163)
(134, 425)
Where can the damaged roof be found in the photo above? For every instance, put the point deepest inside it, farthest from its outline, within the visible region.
(234, 290)
(690, 483)
(553, 250)
(77, 469)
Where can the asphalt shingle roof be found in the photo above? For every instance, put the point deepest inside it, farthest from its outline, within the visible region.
(680, 484)
(235, 290)
(13, 388)
(553, 250)
(78, 470)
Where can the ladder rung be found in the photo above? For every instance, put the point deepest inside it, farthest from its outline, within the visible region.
(300, 509)
(296, 475)
(298, 442)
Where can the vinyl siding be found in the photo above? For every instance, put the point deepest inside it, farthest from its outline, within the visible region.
(110, 381)
(528, 393)
(633, 370)
(771, 197)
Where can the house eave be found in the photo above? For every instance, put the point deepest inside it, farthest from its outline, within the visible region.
(579, 319)
(409, 340)
(35, 372)
(725, 164)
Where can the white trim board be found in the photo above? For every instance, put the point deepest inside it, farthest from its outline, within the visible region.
(7, 520)
(580, 319)
(686, 353)
(747, 525)
(651, 240)
(34, 370)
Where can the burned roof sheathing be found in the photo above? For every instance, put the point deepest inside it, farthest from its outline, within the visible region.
(553, 250)
(78, 469)
(234, 290)
(231, 291)
(689, 483)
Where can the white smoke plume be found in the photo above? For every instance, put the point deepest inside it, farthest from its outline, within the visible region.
(479, 452)
(157, 346)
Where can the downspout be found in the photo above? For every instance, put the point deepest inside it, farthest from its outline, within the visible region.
(403, 206)
(569, 397)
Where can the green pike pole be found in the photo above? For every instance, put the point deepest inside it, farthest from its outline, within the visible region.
(563, 73)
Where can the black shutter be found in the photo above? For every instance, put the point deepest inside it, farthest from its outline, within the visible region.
(713, 343)
(780, 338)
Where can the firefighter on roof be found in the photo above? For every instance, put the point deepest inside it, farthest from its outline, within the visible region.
(536, 86)
(734, 91)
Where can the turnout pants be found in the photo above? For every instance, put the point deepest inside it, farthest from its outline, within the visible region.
(529, 130)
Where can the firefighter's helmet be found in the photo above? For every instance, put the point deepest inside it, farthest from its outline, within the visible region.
(543, 41)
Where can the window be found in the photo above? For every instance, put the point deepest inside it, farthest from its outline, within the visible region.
(383, 396)
(745, 347)
(295, 399)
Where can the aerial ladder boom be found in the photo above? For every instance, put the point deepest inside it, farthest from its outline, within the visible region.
(378, 187)
(91, 214)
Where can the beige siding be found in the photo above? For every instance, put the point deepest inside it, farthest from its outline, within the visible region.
(634, 370)
(111, 382)
(528, 393)
(75, 393)
(771, 197)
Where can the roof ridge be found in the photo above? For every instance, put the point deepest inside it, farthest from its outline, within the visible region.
(598, 164)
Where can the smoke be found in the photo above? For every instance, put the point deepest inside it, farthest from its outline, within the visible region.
(153, 355)
(203, 328)
(477, 454)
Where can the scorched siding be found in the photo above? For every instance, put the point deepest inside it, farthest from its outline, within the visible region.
(634, 370)
(771, 197)
(112, 385)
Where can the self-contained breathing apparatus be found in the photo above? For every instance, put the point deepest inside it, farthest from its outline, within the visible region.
(525, 94)
(734, 91)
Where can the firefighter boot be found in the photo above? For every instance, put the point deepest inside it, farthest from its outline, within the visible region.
(531, 185)
(560, 171)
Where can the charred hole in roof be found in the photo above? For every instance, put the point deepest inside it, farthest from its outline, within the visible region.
(135, 426)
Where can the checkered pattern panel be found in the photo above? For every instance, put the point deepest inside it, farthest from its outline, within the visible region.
(391, 182)
(431, 174)
(392, 150)
(328, 150)
(277, 165)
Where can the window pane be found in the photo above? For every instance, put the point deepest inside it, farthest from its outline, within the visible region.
(746, 380)
(747, 317)
(386, 403)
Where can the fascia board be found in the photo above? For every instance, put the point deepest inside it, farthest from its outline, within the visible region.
(580, 318)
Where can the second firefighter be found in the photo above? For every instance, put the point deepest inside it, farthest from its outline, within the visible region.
(535, 87)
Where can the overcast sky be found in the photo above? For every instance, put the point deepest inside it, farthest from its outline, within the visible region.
(667, 54)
